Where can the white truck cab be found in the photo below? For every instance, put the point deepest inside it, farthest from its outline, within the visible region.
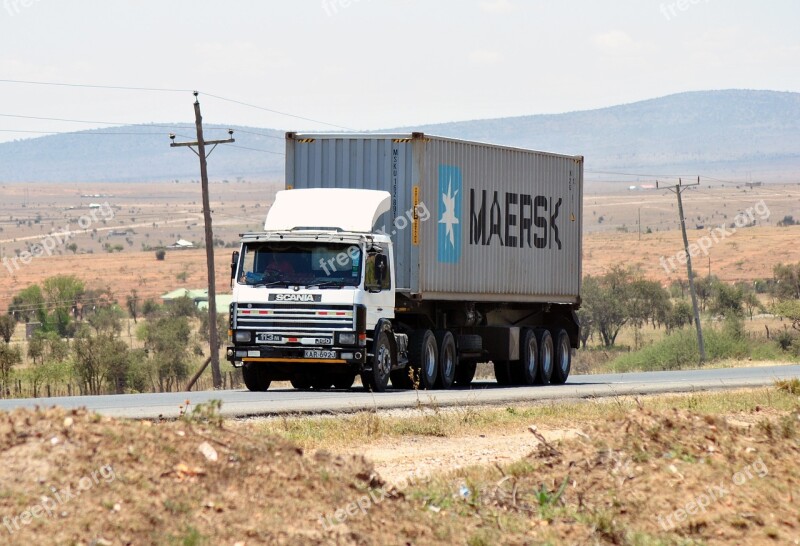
(310, 290)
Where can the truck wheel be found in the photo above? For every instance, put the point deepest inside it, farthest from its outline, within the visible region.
(401, 379)
(465, 372)
(344, 382)
(529, 358)
(563, 358)
(545, 341)
(301, 382)
(424, 357)
(448, 358)
(254, 377)
(383, 359)
(502, 372)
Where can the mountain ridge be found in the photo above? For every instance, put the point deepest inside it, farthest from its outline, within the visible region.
(729, 133)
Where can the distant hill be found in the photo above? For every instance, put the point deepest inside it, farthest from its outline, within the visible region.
(733, 133)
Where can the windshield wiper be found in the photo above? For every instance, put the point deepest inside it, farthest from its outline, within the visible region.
(327, 284)
(271, 283)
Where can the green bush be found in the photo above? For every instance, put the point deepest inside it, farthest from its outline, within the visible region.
(679, 349)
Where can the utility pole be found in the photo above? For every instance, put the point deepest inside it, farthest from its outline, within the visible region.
(677, 189)
(201, 144)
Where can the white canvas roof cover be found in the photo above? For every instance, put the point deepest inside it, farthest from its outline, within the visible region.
(327, 208)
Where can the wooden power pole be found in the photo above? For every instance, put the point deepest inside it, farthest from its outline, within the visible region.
(213, 335)
(677, 189)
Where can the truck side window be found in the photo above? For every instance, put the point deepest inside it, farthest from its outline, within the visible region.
(377, 274)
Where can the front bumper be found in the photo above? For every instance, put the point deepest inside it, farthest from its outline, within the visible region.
(239, 354)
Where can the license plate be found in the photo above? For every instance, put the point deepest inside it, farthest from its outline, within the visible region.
(316, 353)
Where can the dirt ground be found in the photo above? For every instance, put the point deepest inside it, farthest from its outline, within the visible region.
(650, 476)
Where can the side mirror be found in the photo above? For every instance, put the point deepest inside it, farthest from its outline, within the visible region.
(234, 263)
(381, 268)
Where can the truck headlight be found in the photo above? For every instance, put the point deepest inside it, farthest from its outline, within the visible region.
(243, 336)
(347, 339)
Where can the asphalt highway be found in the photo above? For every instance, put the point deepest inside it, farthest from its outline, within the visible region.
(239, 403)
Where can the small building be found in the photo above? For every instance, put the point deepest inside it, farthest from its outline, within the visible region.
(181, 244)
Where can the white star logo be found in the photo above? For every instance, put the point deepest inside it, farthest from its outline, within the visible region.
(449, 216)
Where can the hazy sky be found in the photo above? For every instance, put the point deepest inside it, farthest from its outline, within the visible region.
(368, 64)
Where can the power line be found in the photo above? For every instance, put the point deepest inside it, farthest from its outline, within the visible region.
(95, 86)
(234, 101)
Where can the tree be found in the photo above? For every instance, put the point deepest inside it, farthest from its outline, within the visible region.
(606, 299)
(751, 303)
(167, 341)
(29, 305)
(587, 326)
(161, 254)
(9, 357)
(787, 281)
(726, 300)
(181, 307)
(132, 303)
(7, 326)
(107, 320)
(704, 288)
(222, 327)
(62, 293)
(680, 315)
(98, 359)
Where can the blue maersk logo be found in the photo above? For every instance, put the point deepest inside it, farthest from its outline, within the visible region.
(449, 229)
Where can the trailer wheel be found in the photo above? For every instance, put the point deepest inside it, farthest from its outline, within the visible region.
(383, 359)
(344, 381)
(527, 369)
(465, 372)
(502, 372)
(401, 378)
(448, 358)
(546, 356)
(424, 357)
(563, 358)
(255, 377)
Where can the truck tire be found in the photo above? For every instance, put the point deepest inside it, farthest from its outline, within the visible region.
(383, 360)
(344, 381)
(423, 355)
(401, 379)
(301, 382)
(502, 372)
(448, 359)
(526, 370)
(546, 356)
(470, 344)
(254, 377)
(465, 372)
(563, 358)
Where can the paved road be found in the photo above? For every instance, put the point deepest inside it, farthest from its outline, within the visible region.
(275, 402)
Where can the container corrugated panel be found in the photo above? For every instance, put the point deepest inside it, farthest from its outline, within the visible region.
(504, 223)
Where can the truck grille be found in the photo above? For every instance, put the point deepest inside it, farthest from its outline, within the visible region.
(295, 318)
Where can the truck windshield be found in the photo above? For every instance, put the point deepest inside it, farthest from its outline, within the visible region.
(300, 264)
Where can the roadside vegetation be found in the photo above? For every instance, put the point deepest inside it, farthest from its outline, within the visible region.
(742, 322)
(86, 340)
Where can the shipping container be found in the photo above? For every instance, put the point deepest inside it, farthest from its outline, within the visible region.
(469, 221)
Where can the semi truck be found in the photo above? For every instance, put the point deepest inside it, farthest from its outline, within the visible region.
(407, 259)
